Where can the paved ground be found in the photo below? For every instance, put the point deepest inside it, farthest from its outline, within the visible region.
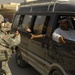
(21, 71)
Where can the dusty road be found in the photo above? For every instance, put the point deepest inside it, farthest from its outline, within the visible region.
(21, 71)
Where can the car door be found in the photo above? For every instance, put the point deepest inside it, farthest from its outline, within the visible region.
(36, 45)
(22, 30)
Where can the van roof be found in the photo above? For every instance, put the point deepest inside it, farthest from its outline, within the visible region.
(67, 7)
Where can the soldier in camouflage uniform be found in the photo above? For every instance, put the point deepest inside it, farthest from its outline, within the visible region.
(6, 42)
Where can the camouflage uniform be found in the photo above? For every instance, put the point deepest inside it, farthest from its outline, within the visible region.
(5, 58)
(11, 41)
(6, 42)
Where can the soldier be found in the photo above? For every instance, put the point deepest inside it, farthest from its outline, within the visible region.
(6, 42)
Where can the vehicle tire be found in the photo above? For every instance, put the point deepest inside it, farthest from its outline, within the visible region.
(20, 62)
(56, 72)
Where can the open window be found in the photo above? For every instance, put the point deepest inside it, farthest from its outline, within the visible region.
(68, 35)
(38, 25)
(70, 18)
(16, 21)
(21, 20)
(27, 21)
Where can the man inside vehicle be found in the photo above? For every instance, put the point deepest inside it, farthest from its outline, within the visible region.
(63, 32)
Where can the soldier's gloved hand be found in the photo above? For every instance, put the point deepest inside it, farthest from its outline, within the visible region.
(16, 34)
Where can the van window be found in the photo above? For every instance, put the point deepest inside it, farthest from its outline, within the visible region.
(70, 18)
(27, 20)
(16, 21)
(38, 25)
(21, 20)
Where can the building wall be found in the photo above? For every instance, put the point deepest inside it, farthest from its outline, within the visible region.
(8, 10)
(38, 0)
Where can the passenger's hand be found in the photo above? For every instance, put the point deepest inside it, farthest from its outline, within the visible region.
(28, 30)
(61, 39)
(32, 36)
(16, 34)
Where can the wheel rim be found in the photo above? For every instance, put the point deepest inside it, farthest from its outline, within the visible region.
(56, 72)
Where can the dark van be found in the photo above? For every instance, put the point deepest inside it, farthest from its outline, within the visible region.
(44, 54)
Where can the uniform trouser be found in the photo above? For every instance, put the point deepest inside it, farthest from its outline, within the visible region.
(5, 67)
